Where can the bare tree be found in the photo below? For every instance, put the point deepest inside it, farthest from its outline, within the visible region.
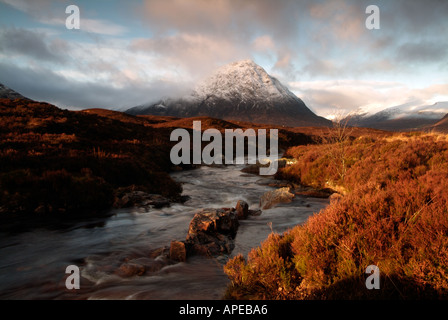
(338, 141)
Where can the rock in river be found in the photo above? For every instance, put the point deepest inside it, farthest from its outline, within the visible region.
(212, 231)
(271, 198)
(140, 199)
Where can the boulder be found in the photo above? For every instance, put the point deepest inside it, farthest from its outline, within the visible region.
(242, 209)
(140, 199)
(213, 222)
(211, 232)
(177, 251)
(127, 270)
(271, 198)
(254, 212)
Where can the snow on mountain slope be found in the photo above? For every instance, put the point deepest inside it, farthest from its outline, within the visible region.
(401, 118)
(239, 91)
(245, 81)
(7, 93)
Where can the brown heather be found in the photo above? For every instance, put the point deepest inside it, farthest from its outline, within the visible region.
(57, 163)
(394, 214)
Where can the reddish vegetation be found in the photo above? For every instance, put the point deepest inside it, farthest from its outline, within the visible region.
(394, 214)
(63, 163)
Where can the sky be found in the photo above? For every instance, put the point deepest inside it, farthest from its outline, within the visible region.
(132, 52)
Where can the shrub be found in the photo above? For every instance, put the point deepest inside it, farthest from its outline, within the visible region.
(394, 215)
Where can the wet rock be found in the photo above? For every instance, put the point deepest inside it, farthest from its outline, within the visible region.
(311, 192)
(127, 270)
(40, 209)
(158, 252)
(140, 199)
(254, 212)
(155, 201)
(209, 249)
(212, 222)
(242, 209)
(271, 198)
(177, 251)
(155, 266)
(211, 231)
(184, 198)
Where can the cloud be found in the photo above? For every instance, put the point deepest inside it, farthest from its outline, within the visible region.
(102, 27)
(221, 16)
(36, 45)
(314, 45)
(249, 24)
(423, 51)
(42, 84)
(344, 19)
(195, 55)
(331, 97)
(263, 43)
(97, 26)
(51, 12)
(35, 8)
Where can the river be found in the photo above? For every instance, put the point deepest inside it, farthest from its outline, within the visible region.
(33, 263)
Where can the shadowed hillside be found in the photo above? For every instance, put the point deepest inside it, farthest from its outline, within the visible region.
(440, 126)
(64, 163)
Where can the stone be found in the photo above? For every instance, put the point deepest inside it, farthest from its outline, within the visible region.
(254, 212)
(213, 221)
(158, 252)
(40, 209)
(140, 199)
(212, 231)
(127, 270)
(242, 209)
(271, 198)
(177, 251)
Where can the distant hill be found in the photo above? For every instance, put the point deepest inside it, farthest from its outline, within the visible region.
(401, 118)
(239, 91)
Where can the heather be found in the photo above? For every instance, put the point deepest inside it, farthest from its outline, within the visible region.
(391, 212)
(62, 163)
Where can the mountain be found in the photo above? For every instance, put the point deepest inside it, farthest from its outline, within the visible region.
(239, 91)
(441, 125)
(7, 93)
(400, 118)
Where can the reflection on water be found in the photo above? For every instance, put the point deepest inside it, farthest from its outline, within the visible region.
(32, 264)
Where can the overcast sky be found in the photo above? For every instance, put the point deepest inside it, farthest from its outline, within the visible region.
(132, 52)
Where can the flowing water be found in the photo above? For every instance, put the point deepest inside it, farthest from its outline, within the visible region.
(33, 263)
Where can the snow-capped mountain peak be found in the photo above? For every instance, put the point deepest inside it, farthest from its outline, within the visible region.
(243, 91)
(245, 81)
